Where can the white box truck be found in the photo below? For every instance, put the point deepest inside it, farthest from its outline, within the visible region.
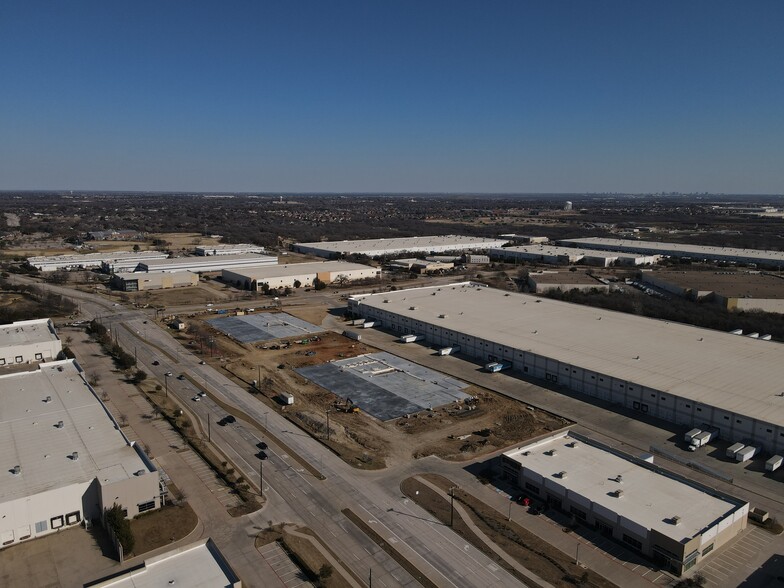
(773, 463)
(733, 449)
(703, 438)
(691, 435)
(497, 366)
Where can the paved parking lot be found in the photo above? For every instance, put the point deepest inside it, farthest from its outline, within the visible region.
(284, 567)
(731, 565)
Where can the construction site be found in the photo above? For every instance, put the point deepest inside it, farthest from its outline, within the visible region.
(373, 409)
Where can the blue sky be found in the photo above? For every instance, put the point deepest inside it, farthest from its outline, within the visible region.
(397, 96)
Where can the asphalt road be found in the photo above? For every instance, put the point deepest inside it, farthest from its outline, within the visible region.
(432, 548)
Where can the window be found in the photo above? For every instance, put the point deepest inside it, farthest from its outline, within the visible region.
(578, 513)
(633, 542)
(525, 369)
(699, 409)
(145, 506)
(41, 527)
(72, 518)
(726, 418)
(707, 550)
(769, 430)
(653, 395)
(18, 359)
(631, 389)
(39, 355)
(532, 487)
(636, 405)
(56, 522)
(738, 421)
(593, 377)
(601, 379)
(688, 406)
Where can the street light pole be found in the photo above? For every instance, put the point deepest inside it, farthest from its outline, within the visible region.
(452, 506)
(577, 555)
(209, 435)
(166, 383)
(261, 478)
(510, 510)
(327, 425)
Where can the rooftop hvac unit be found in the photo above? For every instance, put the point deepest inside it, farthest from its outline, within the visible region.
(573, 444)
(48, 399)
(75, 456)
(618, 493)
(551, 452)
(412, 308)
(139, 473)
(619, 479)
(561, 475)
(59, 424)
(17, 470)
(675, 520)
(443, 316)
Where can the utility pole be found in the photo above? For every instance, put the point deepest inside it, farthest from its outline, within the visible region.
(327, 425)
(209, 435)
(258, 382)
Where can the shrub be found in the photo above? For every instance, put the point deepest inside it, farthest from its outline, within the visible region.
(121, 527)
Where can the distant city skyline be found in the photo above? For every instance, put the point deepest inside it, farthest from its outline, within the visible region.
(508, 97)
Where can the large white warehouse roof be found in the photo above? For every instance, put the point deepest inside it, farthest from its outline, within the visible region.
(731, 372)
(297, 269)
(32, 404)
(373, 247)
(681, 249)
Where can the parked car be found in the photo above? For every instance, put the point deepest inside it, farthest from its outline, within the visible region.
(156, 362)
(196, 398)
(229, 418)
(181, 377)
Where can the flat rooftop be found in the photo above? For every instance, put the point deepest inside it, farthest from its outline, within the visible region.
(264, 326)
(197, 565)
(707, 251)
(564, 278)
(405, 243)
(296, 269)
(97, 257)
(729, 284)
(666, 356)
(540, 249)
(31, 439)
(649, 498)
(27, 332)
(386, 386)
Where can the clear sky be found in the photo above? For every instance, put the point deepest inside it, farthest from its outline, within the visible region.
(393, 96)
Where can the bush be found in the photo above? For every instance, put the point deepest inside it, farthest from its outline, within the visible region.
(121, 528)
(139, 376)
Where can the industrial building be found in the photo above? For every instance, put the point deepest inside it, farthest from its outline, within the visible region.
(540, 282)
(114, 235)
(682, 250)
(398, 245)
(285, 276)
(108, 261)
(529, 239)
(65, 459)
(555, 255)
(420, 266)
(679, 373)
(198, 564)
(668, 518)
(139, 281)
(226, 249)
(211, 263)
(748, 291)
(31, 341)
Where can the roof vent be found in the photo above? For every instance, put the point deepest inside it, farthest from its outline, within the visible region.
(443, 316)
(526, 453)
(48, 399)
(17, 470)
(551, 452)
(618, 493)
(386, 300)
(59, 424)
(675, 520)
(573, 444)
(139, 473)
(619, 479)
(561, 475)
(75, 456)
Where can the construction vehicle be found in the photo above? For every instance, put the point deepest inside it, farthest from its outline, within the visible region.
(348, 406)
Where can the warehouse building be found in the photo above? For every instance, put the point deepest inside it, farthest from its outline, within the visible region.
(31, 341)
(420, 266)
(541, 282)
(139, 281)
(555, 255)
(679, 373)
(525, 239)
(673, 521)
(64, 457)
(198, 564)
(226, 249)
(108, 261)
(285, 276)
(396, 246)
(682, 250)
(211, 263)
(747, 291)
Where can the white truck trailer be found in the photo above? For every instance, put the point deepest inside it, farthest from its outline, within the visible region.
(449, 350)
(733, 449)
(747, 453)
(411, 338)
(703, 438)
(773, 463)
(691, 435)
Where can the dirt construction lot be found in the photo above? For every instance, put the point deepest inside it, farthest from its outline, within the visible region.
(457, 431)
